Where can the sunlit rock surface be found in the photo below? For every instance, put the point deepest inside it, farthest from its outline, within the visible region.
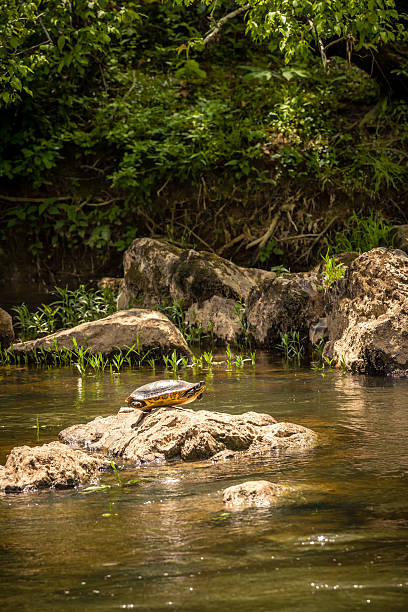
(156, 271)
(53, 465)
(289, 302)
(368, 314)
(151, 329)
(166, 434)
(255, 493)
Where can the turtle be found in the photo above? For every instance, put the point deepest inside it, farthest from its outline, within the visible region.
(165, 393)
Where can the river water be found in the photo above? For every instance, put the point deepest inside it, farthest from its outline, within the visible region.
(339, 542)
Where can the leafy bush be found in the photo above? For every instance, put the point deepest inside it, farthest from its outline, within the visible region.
(364, 233)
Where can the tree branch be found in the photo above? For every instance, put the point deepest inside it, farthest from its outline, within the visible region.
(212, 33)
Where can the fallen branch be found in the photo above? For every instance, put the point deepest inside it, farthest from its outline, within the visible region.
(264, 239)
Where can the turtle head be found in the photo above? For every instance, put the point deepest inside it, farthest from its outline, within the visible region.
(196, 391)
(135, 403)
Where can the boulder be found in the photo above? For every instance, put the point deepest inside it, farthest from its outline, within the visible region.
(166, 434)
(152, 329)
(148, 266)
(218, 318)
(53, 465)
(156, 271)
(401, 237)
(6, 329)
(289, 302)
(112, 283)
(255, 493)
(368, 314)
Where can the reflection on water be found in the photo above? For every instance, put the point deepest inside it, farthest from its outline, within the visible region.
(339, 541)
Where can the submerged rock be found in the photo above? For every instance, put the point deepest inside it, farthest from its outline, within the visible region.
(156, 271)
(255, 493)
(368, 317)
(172, 433)
(6, 329)
(289, 302)
(152, 329)
(53, 465)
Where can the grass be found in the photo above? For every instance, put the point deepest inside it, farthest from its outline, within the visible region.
(362, 234)
(291, 346)
(71, 308)
(84, 361)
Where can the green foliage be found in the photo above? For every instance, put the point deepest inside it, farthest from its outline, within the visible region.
(291, 346)
(364, 233)
(134, 103)
(333, 270)
(73, 307)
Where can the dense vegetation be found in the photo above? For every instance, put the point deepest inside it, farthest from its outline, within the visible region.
(119, 120)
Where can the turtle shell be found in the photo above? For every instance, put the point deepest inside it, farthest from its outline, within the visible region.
(165, 393)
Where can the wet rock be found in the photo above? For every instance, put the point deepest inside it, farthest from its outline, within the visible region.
(255, 493)
(120, 330)
(218, 318)
(156, 271)
(6, 329)
(166, 434)
(368, 314)
(53, 465)
(289, 302)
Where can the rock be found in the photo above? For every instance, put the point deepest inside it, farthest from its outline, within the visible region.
(148, 268)
(289, 302)
(220, 314)
(165, 434)
(114, 284)
(368, 314)
(156, 271)
(255, 493)
(50, 465)
(119, 330)
(6, 329)
(401, 237)
(319, 331)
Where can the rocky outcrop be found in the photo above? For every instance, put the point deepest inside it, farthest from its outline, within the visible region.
(151, 329)
(289, 302)
(401, 237)
(53, 465)
(255, 493)
(156, 271)
(6, 329)
(166, 434)
(368, 314)
(112, 283)
(218, 318)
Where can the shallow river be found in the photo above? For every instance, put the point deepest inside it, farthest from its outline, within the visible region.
(340, 542)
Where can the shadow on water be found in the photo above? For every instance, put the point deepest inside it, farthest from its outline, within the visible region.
(339, 541)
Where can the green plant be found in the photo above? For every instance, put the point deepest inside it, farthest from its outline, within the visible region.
(364, 233)
(333, 270)
(73, 307)
(291, 346)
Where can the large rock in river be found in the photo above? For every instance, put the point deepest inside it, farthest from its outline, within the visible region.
(6, 328)
(170, 433)
(292, 302)
(152, 329)
(368, 318)
(156, 271)
(53, 465)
